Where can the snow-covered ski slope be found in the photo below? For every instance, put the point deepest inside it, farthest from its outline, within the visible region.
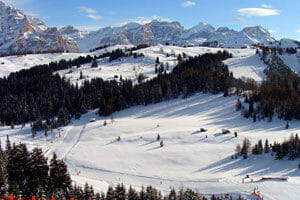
(245, 63)
(187, 159)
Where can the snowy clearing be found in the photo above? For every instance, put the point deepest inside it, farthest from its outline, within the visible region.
(187, 159)
(15, 63)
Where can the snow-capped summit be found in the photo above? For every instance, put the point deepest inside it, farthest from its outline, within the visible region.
(23, 33)
(258, 34)
(201, 27)
(200, 31)
(131, 26)
(248, 36)
(155, 32)
(161, 32)
(72, 32)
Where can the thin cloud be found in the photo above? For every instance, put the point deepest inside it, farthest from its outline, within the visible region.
(240, 20)
(91, 13)
(266, 6)
(258, 12)
(86, 9)
(95, 17)
(298, 31)
(145, 20)
(188, 4)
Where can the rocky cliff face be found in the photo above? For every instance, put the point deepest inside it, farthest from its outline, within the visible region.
(158, 32)
(23, 33)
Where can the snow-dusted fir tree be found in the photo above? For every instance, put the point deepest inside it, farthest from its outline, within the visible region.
(132, 194)
(120, 192)
(110, 194)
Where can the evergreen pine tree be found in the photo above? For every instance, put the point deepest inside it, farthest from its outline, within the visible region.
(94, 63)
(38, 172)
(8, 145)
(279, 151)
(213, 197)
(179, 58)
(267, 147)
(172, 195)
(3, 173)
(190, 195)
(132, 194)
(157, 60)
(287, 125)
(151, 193)
(63, 117)
(59, 178)
(86, 191)
(18, 168)
(255, 150)
(260, 147)
(245, 148)
(110, 194)
(120, 192)
(142, 194)
(161, 143)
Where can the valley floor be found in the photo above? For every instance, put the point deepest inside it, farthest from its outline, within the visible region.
(188, 158)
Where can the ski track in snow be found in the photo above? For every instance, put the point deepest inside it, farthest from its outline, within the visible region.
(75, 143)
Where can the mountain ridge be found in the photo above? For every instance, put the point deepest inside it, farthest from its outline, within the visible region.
(21, 33)
(161, 32)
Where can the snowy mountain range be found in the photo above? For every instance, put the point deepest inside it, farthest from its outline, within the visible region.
(160, 32)
(22, 33)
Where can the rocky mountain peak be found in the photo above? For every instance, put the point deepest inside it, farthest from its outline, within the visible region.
(203, 26)
(24, 33)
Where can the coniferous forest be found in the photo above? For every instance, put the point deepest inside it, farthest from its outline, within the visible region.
(289, 148)
(40, 94)
(26, 173)
(278, 94)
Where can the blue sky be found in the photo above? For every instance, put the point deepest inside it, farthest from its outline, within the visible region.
(281, 17)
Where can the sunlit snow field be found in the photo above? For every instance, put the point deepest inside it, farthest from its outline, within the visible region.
(189, 158)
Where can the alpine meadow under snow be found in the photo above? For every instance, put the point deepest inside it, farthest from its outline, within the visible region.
(245, 62)
(174, 106)
(188, 158)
